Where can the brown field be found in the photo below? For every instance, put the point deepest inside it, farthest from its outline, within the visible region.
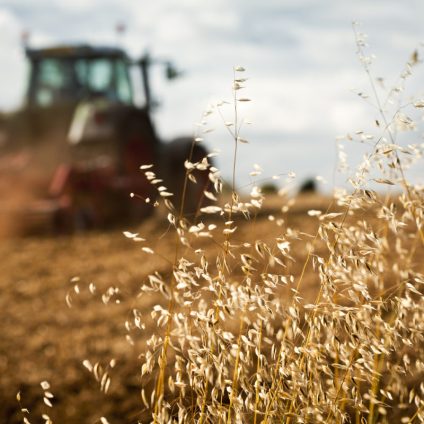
(42, 338)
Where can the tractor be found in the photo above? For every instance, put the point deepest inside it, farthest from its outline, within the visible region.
(71, 156)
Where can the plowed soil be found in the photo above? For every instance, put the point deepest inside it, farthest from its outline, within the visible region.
(48, 329)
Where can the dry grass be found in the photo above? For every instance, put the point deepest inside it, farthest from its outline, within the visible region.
(314, 314)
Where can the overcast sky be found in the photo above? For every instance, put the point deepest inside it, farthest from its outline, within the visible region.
(299, 55)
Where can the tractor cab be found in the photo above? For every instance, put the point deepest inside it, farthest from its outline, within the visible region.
(64, 77)
(68, 75)
(61, 78)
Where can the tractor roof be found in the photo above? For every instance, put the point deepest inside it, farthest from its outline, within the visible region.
(74, 52)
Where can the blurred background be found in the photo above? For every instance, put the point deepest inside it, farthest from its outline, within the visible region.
(299, 55)
(304, 78)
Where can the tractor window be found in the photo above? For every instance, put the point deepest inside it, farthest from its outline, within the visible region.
(59, 80)
(100, 77)
(81, 69)
(106, 77)
(53, 81)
